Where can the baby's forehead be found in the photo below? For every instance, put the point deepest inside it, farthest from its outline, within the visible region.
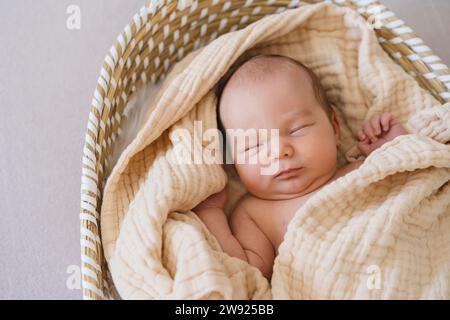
(263, 73)
(266, 73)
(251, 77)
(264, 68)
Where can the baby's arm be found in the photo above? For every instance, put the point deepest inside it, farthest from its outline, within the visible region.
(378, 130)
(257, 247)
(244, 240)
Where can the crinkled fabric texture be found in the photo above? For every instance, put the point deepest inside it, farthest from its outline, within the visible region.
(381, 231)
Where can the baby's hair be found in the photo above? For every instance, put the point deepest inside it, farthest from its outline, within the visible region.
(256, 69)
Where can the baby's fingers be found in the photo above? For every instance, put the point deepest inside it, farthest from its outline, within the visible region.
(385, 119)
(369, 132)
(360, 134)
(365, 147)
(375, 122)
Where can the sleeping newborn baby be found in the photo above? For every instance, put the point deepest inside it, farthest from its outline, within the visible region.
(277, 92)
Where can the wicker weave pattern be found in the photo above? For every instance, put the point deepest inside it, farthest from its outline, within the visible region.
(155, 40)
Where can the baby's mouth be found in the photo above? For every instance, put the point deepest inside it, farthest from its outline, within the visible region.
(288, 173)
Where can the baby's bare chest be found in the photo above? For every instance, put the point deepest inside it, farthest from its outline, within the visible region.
(273, 218)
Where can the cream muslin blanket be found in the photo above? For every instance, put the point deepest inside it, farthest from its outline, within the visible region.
(381, 231)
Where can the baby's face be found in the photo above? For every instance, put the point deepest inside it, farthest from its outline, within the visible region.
(307, 137)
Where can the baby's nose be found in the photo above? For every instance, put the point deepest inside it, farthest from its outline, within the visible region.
(286, 150)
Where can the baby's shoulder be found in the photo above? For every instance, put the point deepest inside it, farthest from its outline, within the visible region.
(241, 211)
(249, 204)
(244, 203)
(342, 171)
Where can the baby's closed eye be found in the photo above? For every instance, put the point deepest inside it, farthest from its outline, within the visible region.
(300, 128)
(248, 148)
(296, 129)
(256, 146)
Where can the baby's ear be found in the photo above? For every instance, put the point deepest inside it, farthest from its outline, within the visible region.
(335, 124)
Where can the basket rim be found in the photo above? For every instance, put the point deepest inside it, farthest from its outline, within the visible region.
(396, 38)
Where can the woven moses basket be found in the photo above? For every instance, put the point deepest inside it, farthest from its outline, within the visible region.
(161, 34)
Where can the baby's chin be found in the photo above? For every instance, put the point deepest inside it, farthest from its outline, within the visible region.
(294, 187)
(288, 190)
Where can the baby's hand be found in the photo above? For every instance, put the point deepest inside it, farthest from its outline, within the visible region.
(216, 200)
(380, 129)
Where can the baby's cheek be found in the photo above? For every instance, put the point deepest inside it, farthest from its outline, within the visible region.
(327, 157)
(251, 177)
(320, 152)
